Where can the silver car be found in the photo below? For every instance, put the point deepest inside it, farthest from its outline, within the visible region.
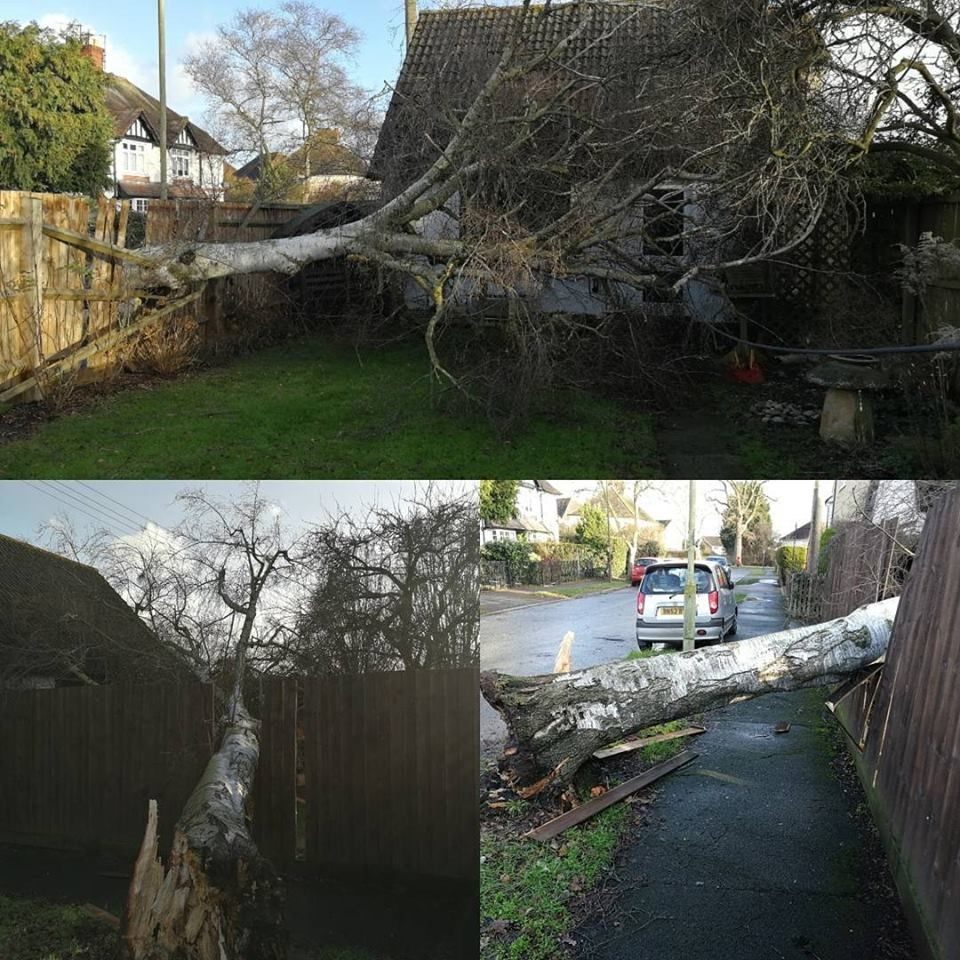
(660, 604)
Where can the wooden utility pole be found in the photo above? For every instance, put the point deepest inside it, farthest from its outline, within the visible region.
(690, 589)
(816, 531)
(162, 53)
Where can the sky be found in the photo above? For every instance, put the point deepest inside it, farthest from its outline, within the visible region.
(131, 37)
(124, 506)
(791, 501)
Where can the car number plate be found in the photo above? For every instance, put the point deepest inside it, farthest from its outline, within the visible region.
(669, 611)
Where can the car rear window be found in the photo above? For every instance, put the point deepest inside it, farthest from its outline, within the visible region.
(673, 580)
(644, 561)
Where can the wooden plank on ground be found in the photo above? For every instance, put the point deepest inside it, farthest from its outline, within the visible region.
(589, 809)
(629, 745)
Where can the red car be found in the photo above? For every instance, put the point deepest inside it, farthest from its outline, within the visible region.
(639, 568)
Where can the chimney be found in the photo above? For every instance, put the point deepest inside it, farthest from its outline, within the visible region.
(93, 51)
(410, 15)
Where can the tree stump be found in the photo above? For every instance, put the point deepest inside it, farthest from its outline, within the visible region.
(217, 898)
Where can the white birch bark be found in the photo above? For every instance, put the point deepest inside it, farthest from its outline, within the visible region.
(217, 898)
(557, 721)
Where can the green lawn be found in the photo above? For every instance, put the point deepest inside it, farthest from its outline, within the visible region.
(525, 886)
(37, 930)
(307, 408)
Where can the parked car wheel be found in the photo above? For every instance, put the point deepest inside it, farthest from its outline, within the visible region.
(644, 645)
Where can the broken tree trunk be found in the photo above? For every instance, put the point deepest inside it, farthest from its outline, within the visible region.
(217, 899)
(556, 722)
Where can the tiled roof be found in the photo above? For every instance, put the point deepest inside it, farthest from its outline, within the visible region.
(127, 102)
(328, 157)
(801, 533)
(454, 51)
(50, 605)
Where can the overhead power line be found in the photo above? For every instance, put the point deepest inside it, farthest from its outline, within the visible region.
(130, 510)
(73, 506)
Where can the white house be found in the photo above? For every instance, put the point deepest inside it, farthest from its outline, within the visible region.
(796, 538)
(194, 157)
(879, 500)
(536, 518)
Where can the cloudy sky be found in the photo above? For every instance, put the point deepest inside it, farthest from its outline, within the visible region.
(126, 506)
(131, 37)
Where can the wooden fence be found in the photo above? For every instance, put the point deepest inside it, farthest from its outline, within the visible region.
(864, 562)
(66, 313)
(78, 764)
(905, 725)
(369, 774)
(232, 305)
(53, 296)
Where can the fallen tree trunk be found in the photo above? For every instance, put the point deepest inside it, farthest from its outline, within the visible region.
(557, 721)
(217, 899)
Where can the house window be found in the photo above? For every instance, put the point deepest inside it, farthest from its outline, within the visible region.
(134, 157)
(138, 205)
(180, 162)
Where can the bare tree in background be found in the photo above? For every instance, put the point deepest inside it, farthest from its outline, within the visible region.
(273, 78)
(742, 504)
(396, 589)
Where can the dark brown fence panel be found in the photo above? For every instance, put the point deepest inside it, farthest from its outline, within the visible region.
(275, 786)
(911, 758)
(860, 568)
(391, 772)
(78, 764)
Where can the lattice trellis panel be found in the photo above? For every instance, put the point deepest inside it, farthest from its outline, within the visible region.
(814, 273)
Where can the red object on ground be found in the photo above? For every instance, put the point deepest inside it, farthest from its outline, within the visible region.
(747, 374)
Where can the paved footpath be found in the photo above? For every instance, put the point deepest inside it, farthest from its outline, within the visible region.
(750, 852)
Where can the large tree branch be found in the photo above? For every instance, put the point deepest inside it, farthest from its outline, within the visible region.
(556, 722)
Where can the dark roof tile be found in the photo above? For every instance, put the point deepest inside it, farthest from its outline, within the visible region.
(53, 609)
(454, 51)
(126, 102)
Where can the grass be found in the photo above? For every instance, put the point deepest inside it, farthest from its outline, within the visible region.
(526, 886)
(581, 589)
(746, 581)
(643, 654)
(39, 930)
(658, 752)
(309, 408)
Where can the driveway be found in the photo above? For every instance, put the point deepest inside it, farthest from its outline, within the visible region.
(751, 851)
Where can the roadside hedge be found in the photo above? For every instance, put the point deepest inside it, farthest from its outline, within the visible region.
(790, 560)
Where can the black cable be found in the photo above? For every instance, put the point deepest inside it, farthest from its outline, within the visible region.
(865, 351)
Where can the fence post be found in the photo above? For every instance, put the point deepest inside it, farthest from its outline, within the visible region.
(32, 267)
